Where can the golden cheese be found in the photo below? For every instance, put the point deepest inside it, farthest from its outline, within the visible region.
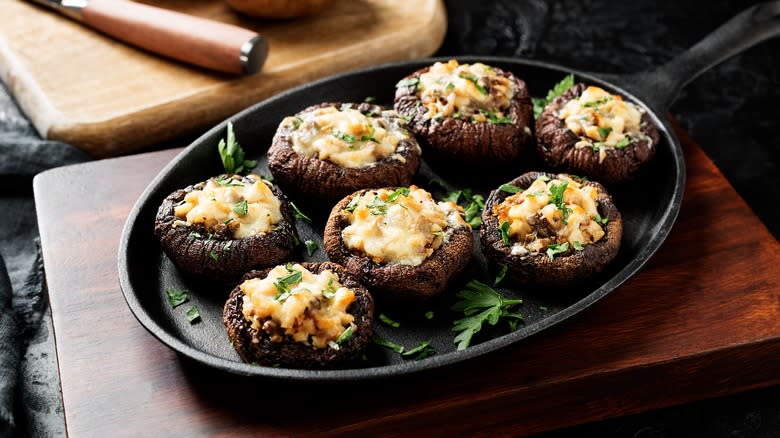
(470, 91)
(404, 226)
(536, 219)
(295, 304)
(602, 120)
(247, 208)
(345, 136)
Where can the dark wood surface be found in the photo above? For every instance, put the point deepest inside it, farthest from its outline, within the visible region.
(701, 320)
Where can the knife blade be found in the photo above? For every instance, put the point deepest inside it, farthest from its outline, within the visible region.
(198, 41)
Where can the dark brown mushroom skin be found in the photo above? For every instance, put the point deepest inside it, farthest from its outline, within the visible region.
(215, 255)
(255, 346)
(555, 145)
(396, 283)
(536, 268)
(325, 182)
(470, 143)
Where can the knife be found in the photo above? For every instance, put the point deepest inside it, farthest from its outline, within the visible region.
(199, 41)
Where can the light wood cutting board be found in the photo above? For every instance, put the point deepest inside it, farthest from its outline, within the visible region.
(108, 98)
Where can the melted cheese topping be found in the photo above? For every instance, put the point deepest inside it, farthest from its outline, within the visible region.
(294, 303)
(602, 120)
(404, 226)
(535, 221)
(465, 91)
(345, 137)
(246, 208)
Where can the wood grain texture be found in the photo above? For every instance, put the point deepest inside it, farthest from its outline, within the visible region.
(109, 98)
(701, 320)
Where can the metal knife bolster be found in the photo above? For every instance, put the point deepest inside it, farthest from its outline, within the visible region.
(71, 8)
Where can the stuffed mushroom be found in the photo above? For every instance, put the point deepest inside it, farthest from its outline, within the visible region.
(330, 150)
(399, 242)
(550, 230)
(223, 227)
(468, 113)
(588, 131)
(307, 315)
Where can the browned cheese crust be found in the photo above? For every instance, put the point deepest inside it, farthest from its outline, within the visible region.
(216, 255)
(555, 144)
(396, 283)
(325, 182)
(255, 346)
(536, 268)
(463, 141)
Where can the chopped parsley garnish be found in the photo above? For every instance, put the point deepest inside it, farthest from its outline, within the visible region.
(227, 245)
(450, 86)
(283, 283)
(349, 138)
(601, 220)
(387, 320)
(559, 88)
(241, 208)
(504, 228)
(421, 351)
(196, 235)
(429, 314)
(344, 336)
(496, 119)
(297, 122)
(227, 182)
(402, 191)
(369, 99)
(577, 246)
(557, 190)
(214, 255)
(193, 314)
(604, 132)
(330, 290)
(311, 246)
(597, 145)
(543, 308)
(377, 207)
(437, 182)
(345, 106)
(269, 178)
(232, 154)
(510, 188)
(299, 214)
(554, 249)
(479, 304)
(176, 297)
(370, 136)
(408, 83)
(387, 344)
(473, 204)
(353, 203)
(595, 102)
(625, 141)
(500, 276)
(474, 80)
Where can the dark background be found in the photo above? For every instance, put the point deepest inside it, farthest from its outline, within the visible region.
(730, 111)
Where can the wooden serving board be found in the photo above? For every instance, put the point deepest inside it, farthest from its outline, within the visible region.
(701, 320)
(109, 98)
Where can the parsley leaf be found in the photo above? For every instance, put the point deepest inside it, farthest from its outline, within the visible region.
(352, 204)
(176, 297)
(473, 204)
(504, 228)
(625, 141)
(403, 191)
(474, 80)
(557, 190)
(595, 102)
(369, 99)
(386, 319)
(408, 83)
(604, 132)
(297, 122)
(232, 154)
(283, 284)
(349, 138)
(421, 351)
(510, 188)
(479, 304)
(387, 344)
(330, 290)
(227, 182)
(193, 314)
(344, 336)
(554, 249)
(241, 208)
(577, 246)
(500, 276)
(298, 214)
(214, 255)
(601, 220)
(377, 207)
(311, 246)
(559, 88)
(429, 314)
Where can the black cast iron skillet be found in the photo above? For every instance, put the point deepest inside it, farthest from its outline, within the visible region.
(649, 207)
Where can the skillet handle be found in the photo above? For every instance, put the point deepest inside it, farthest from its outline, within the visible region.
(659, 87)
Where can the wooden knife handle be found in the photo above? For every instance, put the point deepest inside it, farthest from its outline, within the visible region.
(207, 43)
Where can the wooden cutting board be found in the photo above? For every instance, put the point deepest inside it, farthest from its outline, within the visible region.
(108, 98)
(701, 320)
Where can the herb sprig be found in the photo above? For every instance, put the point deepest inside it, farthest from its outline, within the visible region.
(472, 203)
(232, 154)
(480, 303)
(559, 88)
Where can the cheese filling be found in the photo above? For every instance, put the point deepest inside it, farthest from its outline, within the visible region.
(602, 120)
(403, 226)
(294, 303)
(346, 136)
(551, 213)
(246, 206)
(469, 91)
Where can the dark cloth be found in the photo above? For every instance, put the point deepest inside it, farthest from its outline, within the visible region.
(729, 110)
(30, 399)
